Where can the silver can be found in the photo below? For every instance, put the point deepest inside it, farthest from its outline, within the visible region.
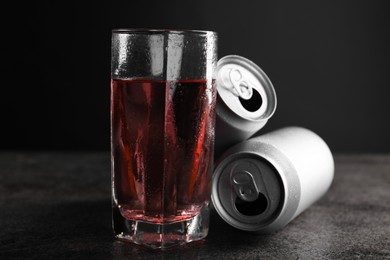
(246, 100)
(263, 183)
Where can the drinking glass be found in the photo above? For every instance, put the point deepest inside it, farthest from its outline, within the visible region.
(163, 99)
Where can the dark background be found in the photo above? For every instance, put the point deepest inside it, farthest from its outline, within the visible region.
(329, 62)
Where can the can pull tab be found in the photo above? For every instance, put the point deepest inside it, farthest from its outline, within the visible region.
(233, 78)
(245, 186)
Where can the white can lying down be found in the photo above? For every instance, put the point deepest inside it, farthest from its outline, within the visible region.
(263, 183)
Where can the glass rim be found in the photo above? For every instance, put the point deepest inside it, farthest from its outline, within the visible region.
(160, 31)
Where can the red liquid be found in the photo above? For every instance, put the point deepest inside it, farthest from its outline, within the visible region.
(162, 136)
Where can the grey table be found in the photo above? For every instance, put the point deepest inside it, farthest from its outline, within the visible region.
(57, 205)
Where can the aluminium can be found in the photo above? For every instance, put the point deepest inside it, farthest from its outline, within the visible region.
(246, 99)
(263, 183)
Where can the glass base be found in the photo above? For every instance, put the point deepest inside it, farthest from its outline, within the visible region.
(161, 236)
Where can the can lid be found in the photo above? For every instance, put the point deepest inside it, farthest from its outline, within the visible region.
(245, 88)
(247, 192)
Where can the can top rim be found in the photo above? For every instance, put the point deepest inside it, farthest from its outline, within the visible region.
(266, 85)
(161, 31)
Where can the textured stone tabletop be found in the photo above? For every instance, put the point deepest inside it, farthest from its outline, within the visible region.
(57, 205)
